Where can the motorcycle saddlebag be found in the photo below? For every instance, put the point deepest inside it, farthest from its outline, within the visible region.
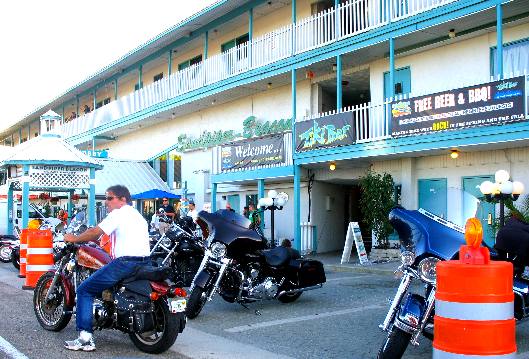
(135, 311)
(308, 272)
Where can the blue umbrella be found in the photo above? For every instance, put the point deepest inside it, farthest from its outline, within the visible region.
(154, 193)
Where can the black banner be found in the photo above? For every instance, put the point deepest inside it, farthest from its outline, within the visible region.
(324, 132)
(253, 152)
(494, 103)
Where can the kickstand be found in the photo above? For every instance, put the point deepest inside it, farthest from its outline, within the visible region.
(257, 312)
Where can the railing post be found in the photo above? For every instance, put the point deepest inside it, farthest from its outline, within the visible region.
(213, 197)
(499, 40)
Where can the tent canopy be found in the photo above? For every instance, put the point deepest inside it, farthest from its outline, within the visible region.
(154, 193)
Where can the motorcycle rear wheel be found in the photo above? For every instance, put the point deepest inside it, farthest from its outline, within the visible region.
(6, 252)
(15, 258)
(196, 302)
(54, 315)
(160, 339)
(395, 344)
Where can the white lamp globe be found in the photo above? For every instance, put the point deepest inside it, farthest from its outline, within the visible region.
(506, 187)
(260, 203)
(486, 187)
(280, 201)
(495, 188)
(501, 176)
(268, 202)
(517, 187)
(272, 193)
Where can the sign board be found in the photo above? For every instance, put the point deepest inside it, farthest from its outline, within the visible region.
(96, 153)
(353, 233)
(324, 132)
(493, 103)
(48, 176)
(253, 152)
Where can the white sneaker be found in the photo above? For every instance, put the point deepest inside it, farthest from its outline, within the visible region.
(79, 344)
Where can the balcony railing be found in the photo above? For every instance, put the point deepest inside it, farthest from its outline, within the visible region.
(354, 17)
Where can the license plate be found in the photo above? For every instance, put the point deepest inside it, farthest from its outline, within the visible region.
(178, 305)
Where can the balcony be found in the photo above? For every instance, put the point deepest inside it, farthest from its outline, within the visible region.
(354, 17)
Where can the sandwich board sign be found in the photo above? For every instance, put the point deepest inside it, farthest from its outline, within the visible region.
(354, 234)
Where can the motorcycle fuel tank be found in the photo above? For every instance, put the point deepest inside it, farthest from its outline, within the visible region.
(92, 257)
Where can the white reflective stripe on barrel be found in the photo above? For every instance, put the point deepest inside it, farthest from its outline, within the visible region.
(23, 246)
(439, 354)
(474, 311)
(22, 259)
(38, 267)
(39, 251)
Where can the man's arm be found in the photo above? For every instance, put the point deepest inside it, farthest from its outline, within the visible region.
(91, 234)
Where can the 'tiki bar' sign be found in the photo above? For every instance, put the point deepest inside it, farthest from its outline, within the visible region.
(494, 103)
(329, 131)
(251, 128)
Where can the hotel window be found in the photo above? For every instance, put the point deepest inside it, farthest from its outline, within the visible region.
(195, 60)
(158, 77)
(515, 58)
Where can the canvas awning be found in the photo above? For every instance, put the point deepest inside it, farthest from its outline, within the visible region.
(137, 176)
(154, 193)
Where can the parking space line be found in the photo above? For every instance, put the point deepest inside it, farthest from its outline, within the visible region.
(10, 350)
(272, 323)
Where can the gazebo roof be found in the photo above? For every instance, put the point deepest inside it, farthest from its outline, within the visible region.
(48, 149)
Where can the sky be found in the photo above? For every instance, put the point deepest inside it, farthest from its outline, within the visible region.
(46, 47)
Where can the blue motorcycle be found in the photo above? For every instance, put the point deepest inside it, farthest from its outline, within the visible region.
(425, 239)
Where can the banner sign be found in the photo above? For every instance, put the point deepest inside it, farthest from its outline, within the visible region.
(324, 132)
(253, 152)
(493, 103)
(96, 153)
(45, 176)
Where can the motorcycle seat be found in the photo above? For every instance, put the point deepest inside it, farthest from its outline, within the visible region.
(279, 256)
(503, 255)
(155, 274)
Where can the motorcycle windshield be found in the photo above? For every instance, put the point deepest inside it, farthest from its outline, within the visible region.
(437, 227)
(225, 226)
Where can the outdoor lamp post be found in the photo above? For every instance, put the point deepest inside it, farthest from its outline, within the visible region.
(501, 190)
(274, 201)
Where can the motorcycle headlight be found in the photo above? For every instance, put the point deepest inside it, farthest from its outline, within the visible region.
(407, 258)
(218, 250)
(166, 242)
(427, 270)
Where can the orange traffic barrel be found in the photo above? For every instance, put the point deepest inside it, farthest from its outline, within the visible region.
(39, 258)
(474, 307)
(22, 252)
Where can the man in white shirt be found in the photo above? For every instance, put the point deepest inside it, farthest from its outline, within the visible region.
(193, 213)
(129, 237)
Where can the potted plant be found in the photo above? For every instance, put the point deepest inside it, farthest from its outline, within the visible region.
(376, 200)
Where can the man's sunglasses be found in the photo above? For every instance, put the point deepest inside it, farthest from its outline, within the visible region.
(110, 198)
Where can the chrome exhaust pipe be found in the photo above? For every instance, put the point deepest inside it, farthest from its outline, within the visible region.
(294, 291)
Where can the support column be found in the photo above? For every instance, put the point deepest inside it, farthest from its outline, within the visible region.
(338, 82)
(70, 206)
(391, 67)
(20, 135)
(170, 62)
(140, 77)
(213, 197)
(76, 106)
(206, 44)
(297, 204)
(93, 143)
(116, 89)
(170, 170)
(499, 40)
(95, 99)
(10, 210)
(157, 165)
(25, 197)
(92, 199)
(261, 194)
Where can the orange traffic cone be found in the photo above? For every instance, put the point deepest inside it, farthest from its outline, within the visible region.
(39, 256)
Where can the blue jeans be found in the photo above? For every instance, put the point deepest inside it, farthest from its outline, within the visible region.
(104, 278)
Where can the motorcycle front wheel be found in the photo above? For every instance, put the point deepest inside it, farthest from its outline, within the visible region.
(164, 335)
(52, 314)
(196, 302)
(15, 258)
(6, 252)
(395, 344)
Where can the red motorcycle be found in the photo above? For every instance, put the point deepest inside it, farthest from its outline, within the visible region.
(144, 306)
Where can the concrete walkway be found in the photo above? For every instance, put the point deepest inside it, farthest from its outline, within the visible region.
(331, 261)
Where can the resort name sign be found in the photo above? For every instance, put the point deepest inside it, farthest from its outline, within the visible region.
(329, 131)
(254, 152)
(251, 128)
(493, 103)
(49, 176)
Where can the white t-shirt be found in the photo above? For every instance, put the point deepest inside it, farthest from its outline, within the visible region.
(128, 231)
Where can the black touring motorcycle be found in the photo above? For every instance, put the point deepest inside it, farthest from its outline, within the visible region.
(239, 266)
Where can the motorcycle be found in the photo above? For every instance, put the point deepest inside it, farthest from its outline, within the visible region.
(180, 250)
(7, 244)
(237, 264)
(425, 239)
(144, 306)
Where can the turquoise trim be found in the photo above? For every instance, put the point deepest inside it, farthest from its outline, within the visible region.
(140, 77)
(297, 206)
(25, 199)
(9, 216)
(169, 62)
(391, 68)
(206, 44)
(252, 175)
(338, 82)
(92, 200)
(115, 89)
(70, 206)
(315, 239)
(213, 197)
(170, 170)
(294, 103)
(398, 146)
(439, 15)
(499, 39)
(45, 163)
(94, 94)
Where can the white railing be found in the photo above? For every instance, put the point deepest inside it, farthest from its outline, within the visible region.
(287, 148)
(308, 234)
(354, 17)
